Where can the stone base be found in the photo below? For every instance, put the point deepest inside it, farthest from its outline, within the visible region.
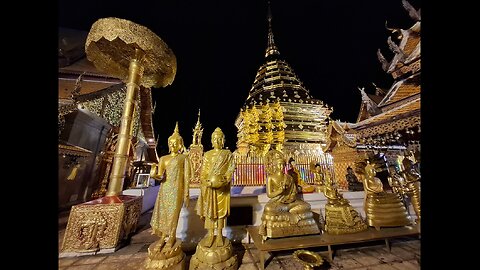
(148, 194)
(161, 257)
(214, 257)
(94, 252)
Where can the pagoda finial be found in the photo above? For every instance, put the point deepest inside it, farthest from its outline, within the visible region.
(198, 125)
(197, 132)
(271, 48)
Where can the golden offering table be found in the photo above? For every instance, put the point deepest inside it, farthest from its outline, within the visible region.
(328, 240)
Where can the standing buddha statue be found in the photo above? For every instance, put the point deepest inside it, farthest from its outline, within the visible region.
(213, 206)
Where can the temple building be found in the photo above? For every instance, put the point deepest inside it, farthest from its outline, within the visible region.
(390, 119)
(388, 122)
(90, 105)
(279, 113)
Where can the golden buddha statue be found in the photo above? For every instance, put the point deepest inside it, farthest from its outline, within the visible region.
(381, 208)
(213, 206)
(412, 178)
(174, 172)
(340, 216)
(285, 214)
(318, 174)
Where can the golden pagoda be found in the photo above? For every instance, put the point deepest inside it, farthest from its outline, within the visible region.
(279, 113)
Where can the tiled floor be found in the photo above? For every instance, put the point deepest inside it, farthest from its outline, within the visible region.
(404, 255)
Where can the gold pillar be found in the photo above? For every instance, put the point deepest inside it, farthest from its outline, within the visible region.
(126, 131)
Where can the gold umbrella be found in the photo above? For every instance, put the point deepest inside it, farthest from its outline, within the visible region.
(134, 54)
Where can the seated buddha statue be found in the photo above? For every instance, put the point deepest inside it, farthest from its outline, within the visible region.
(285, 214)
(382, 209)
(318, 175)
(340, 216)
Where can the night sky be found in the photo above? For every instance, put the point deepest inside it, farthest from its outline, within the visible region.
(219, 45)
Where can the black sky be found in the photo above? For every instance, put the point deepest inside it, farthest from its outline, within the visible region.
(219, 45)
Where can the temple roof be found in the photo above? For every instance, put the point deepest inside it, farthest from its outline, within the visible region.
(396, 114)
(400, 106)
(402, 89)
(336, 134)
(72, 150)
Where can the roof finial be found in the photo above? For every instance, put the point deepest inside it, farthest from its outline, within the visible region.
(271, 48)
(198, 125)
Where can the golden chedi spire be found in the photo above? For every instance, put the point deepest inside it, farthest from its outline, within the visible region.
(271, 48)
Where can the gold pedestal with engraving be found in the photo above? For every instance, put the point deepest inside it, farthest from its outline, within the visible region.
(99, 226)
(214, 257)
(341, 219)
(161, 257)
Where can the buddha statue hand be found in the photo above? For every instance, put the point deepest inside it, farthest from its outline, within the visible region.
(217, 181)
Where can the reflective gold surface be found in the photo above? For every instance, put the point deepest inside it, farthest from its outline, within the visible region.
(161, 257)
(195, 153)
(213, 206)
(100, 224)
(340, 216)
(133, 53)
(382, 209)
(126, 132)
(410, 186)
(112, 42)
(308, 259)
(285, 214)
(174, 171)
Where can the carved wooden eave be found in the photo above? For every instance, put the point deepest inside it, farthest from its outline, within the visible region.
(72, 150)
(91, 81)
(369, 106)
(402, 89)
(408, 50)
(406, 115)
(337, 135)
(146, 120)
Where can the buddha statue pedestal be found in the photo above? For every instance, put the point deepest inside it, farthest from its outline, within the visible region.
(101, 225)
(162, 257)
(385, 210)
(341, 219)
(214, 257)
(283, 220)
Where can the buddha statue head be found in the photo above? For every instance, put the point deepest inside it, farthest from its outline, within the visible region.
(175, 141)
(218, 138)
(274, 162)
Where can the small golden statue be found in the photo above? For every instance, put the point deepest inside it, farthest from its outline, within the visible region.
(318, 175)
(285, 214)
(215, 251)
(174, 170)
(381, 208)
(340, 216)
(412, 177)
